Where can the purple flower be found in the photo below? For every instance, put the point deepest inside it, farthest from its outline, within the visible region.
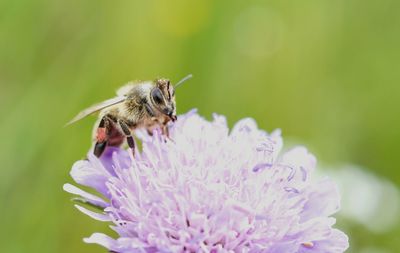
(211, 190)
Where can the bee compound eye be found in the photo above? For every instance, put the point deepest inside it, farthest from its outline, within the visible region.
(157, 95)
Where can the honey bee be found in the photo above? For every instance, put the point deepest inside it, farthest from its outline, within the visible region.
(142, 104)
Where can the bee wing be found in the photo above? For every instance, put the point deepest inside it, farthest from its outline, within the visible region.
(96, 108)
(126, 88)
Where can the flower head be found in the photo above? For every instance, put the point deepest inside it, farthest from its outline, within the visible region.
(210, 189)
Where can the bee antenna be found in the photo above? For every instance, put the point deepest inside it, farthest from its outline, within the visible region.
(183, 80)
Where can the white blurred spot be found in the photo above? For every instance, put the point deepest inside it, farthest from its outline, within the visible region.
(374, 202)
(258, 32)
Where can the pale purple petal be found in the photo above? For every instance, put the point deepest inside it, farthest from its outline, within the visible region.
(90, 198)
(94, 215)
(91, 173)
(113, 157)
(121, 245)
(323, 200)
(336, 242)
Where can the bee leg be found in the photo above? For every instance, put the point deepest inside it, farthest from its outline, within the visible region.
(128, 135)
(101, 137)
(165, 130)
(148, 109)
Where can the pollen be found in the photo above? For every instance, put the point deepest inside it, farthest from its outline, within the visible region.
(308, 244)
(101, 134)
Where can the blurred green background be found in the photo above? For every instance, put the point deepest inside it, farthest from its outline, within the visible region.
(326, 72)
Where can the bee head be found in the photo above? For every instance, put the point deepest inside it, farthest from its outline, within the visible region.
(163, 97)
